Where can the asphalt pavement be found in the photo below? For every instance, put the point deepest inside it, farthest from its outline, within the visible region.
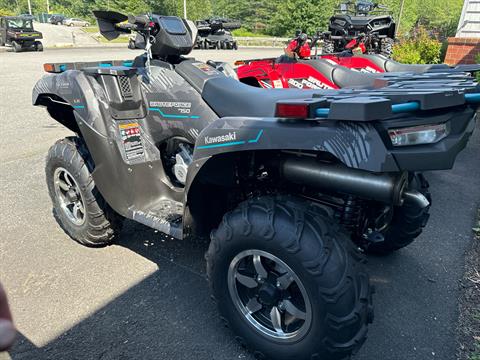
(147, 297)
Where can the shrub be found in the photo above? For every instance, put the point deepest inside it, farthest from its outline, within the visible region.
(5, 12)
(419, 50)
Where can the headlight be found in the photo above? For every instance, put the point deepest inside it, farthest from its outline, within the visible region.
(417, 135)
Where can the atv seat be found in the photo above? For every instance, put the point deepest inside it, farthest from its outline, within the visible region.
(229, 97)
(389, 65)
(344, 77)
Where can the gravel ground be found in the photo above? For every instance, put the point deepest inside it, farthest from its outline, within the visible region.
(468, 331)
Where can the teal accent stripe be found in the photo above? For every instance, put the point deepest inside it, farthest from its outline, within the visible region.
(78, 106)
(171, 116)
(259, 135)
(104, 65)
(231, 143)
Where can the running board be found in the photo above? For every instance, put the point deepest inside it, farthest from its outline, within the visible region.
(166, 218)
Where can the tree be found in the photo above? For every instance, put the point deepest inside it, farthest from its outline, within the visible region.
(306, 15)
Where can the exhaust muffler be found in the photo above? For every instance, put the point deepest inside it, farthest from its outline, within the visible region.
(382, 187)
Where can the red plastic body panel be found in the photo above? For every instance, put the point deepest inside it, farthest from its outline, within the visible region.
(284, 75)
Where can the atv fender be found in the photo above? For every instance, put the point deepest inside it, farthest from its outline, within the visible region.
(71, 100)
(356, 144)
(74, 93)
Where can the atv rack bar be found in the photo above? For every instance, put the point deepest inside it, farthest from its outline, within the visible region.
(61, 67)
(472, 98)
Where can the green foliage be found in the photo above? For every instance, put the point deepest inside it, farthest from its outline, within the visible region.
(421, 49)
(274, 17)
(243, 32)
(304, 15)
(5, 12)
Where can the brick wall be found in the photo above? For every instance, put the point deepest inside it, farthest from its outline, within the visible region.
(462, 50)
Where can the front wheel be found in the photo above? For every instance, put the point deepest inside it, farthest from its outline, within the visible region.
(328, 47)
(78, 207)
(16, 46)
(288, 281)
(386, 47)
(38, 46)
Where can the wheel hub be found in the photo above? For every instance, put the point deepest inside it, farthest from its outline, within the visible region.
(69, 197)
(268, 294)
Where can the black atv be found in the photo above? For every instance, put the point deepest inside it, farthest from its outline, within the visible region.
(215, 33)
(361, 21)
(291, 185)
(18, 32)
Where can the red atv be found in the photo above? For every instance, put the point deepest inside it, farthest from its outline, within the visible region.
(380, 64)
(297, 70)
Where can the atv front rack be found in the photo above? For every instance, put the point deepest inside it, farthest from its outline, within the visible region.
(57, 68)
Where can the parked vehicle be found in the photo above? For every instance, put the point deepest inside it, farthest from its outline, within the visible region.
(380, 64)
(215, 33)
(326, 74)
(290, 184)
(27, 16)
(365, 22)
(302, 68)
(18, 32)
(56, 19)
(75, 22)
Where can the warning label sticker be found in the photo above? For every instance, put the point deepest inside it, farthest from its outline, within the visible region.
(207, 69)
(132, 141)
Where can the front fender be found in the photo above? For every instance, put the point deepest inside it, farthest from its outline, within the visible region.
(357, 145)
(73, 90)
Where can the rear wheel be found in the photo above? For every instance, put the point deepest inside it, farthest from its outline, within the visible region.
(407, 223)
(38, 46)
(288, 281)
(386, 47)
(78, 207)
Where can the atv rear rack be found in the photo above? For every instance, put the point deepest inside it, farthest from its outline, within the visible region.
(371, 106)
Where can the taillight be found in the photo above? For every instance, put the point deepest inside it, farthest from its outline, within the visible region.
(293, 111)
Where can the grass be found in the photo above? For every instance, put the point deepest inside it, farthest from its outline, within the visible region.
(91, 29)
(242, 32)
(476, 354)
(95, 33)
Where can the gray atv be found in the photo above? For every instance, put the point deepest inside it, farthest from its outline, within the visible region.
(291, 185)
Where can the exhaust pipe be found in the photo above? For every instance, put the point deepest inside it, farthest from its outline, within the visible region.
(383, 187)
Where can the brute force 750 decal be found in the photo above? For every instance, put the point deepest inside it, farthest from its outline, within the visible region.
(310, 83)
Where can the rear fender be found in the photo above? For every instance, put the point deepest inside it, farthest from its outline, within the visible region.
(357, 145)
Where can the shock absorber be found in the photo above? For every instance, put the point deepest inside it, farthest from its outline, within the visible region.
(351, 215)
